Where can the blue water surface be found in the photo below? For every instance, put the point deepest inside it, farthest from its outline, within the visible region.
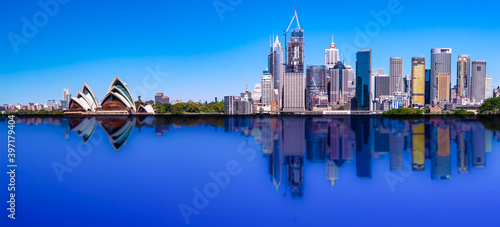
(253, 171)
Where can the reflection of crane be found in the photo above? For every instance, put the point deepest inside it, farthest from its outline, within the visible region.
(286, 31)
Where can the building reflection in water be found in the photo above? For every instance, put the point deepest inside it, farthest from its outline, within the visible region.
(289, 142)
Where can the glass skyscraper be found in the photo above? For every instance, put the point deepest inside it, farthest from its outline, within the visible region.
(363, 71)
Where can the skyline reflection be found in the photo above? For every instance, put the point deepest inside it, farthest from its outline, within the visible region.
(290, 142)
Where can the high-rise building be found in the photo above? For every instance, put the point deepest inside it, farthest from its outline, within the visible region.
(396, 74)
(496, 92)
(443, 82)
(363, 74)
(315, 84)
(382, 85)
(160, 98)
(66, 96)
(267, 89)
(339, 84)
(427, 94)
(276, 69)
(351, 81)
(440, 63)
(463, 75)
(418, 82)
(489, 88)
(478, 80)
(331, 56)
(294, 78)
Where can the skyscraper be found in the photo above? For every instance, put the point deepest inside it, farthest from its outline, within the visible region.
(351, 81)
(440, 63)
(396, 74)
(66, 96)
(315, 84)
(489, 88)
(267, 91)
(418, 86)
(363, 73)
(427, 94)
(339, 84)
(331, 56)
(276, 69)
(294, 78)
(382, 85)
(478, 80)
(443, 81)
(463, 75)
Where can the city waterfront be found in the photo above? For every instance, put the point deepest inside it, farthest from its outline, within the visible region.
(272, 171)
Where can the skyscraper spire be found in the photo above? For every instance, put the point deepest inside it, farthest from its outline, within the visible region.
(246, 81)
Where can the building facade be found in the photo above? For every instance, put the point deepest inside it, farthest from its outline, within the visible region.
(382, 85)
(443, 80)
(331, 56)
(440, 63)
(489, 88)
(339, 84)
(267, 89)
(315, 84)
(463, 75)
(294, 78)
(418, 82)
(363, 74)
(396, 74)
(276, 69)
(478, 80)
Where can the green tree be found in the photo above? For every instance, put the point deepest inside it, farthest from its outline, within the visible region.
(177, 109)
(404, 111)
(490, 106)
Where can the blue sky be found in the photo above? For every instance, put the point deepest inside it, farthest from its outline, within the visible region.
(204, 54)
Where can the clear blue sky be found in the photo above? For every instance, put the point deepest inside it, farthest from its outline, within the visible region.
(204, 55)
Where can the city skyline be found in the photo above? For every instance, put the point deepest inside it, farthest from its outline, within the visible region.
(58, 64)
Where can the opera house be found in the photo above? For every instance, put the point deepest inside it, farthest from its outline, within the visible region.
(117, 101)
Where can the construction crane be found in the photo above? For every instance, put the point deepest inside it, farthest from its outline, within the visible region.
(286, 31)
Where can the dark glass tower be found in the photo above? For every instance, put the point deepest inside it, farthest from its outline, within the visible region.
(363, 71)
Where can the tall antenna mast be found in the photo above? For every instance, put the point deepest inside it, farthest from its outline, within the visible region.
(246, 81)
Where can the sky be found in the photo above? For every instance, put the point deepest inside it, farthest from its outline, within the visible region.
(200, 50)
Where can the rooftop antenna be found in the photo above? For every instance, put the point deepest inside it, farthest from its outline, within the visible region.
(246, 81)
(422, 54)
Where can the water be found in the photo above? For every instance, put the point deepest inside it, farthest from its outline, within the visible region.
(253, 171)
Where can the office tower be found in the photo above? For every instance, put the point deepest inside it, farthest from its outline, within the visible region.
(463, 75)
(396, 74)
(418, 146)
(418, 82)
(159, 98)
(315, 85)
(488, 88)
(408, 84)
(440, 63)
(294, 78)
(66, 96)
(496, 92)
(351, 81)
(443, 82)
(267, 89)
(363, 74)
(331, 56)
(339, 84)
(276, 69)
(382, 85)
(427, 94)
(478, 80)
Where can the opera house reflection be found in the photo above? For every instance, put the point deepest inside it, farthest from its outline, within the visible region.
(289, 143)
